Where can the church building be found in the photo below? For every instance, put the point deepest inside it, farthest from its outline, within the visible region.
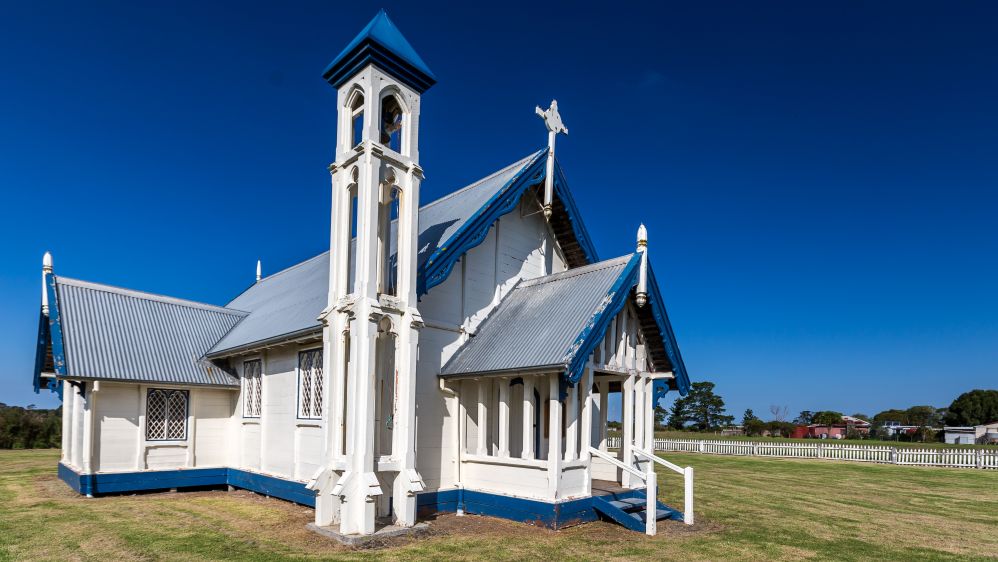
(457, 355)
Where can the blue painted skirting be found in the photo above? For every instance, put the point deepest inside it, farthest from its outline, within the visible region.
(540, 513)
(95, 484)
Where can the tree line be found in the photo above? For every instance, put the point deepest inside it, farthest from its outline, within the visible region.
(703, 410)
(29, 428)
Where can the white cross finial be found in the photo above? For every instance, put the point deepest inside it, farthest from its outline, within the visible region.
(641, 297)
(552, 119)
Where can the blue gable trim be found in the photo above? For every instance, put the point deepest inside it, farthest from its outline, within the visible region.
(50, 330)
(574, 216)
(440, 263)
(42, 344)
(594, 330)
(668, 336)
(94, 484)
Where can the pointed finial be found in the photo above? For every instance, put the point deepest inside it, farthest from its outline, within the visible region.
(641, 298)
(258, 270)
(552, 119)
(46, 271)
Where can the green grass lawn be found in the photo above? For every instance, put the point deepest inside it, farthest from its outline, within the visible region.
(672, 434)
(747, 509)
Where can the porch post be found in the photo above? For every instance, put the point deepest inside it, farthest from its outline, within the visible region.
(483, 417)
(649, 444)
(528, 418)
(604, 403)
(587, 425)
(639, 411)
(554, 438)
(572, 423)
(503, 417)
(627, 421)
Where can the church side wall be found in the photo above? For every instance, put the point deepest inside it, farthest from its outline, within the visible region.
(119, 440)
(514, 249)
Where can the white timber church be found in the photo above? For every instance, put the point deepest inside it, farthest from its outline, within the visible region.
(457, 355)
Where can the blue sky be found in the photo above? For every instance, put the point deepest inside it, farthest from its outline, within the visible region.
(819, 181)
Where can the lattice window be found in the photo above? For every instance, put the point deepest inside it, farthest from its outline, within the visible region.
(166, 414)
(310, 384)
(252, 388)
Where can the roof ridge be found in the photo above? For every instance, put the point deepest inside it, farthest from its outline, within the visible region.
(144, 295)
(568, 273)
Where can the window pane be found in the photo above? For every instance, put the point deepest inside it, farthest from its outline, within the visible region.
(310, 384)
(177, 416)
(156, 415)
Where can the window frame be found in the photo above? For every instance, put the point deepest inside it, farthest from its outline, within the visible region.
(247, 387)
(315, 414)
(168, 393)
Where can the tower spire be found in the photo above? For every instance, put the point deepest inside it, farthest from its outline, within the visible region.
(554, 124)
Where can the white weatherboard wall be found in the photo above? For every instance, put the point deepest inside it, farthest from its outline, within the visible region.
(119, 443)
(519, 246)
(277, 443)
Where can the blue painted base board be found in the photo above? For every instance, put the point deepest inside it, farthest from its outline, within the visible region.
(96, 484)
(544, 514)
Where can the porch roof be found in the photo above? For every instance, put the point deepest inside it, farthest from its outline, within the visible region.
(553, 323)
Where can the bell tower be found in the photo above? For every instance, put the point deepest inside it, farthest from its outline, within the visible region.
(371, 323)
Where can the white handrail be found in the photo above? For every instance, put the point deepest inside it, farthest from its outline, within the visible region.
(658, 459)
(615, 462)
(687, 481)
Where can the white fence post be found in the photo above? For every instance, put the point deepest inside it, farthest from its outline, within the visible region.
(978, 458)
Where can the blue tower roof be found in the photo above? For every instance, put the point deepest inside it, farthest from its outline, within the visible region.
(382, 44)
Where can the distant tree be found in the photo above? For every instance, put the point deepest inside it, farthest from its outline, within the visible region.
(705, 408)
(679, 414)
(827, 418)
(754, 426)
(23, 428)
(900, 416)
(805, 417)
(660, 414)
(779, 412)
(973, 408)
(748, 416)
(780, 428)
(863, 417)
(924, 418)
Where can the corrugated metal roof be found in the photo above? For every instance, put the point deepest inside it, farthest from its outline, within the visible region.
(289, 302)
(537, 323)
(118, 334)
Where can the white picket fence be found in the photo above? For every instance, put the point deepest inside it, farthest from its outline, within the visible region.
(953, 458)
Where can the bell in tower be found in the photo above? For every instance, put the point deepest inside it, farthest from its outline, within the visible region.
(371, 323)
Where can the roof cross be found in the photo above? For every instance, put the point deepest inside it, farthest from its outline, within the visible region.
(552, 119)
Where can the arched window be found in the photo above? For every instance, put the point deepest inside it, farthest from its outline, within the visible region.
(391, 122)
(356, 119)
